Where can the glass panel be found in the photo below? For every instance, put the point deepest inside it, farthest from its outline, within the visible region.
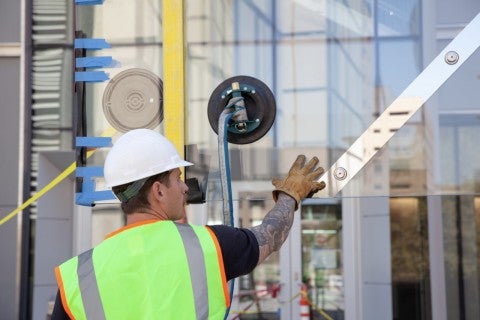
(322, 269)
(333, 67)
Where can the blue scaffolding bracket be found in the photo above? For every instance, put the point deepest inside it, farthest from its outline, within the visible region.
(88, 195)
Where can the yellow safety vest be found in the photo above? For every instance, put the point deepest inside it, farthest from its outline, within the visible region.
(148, 270)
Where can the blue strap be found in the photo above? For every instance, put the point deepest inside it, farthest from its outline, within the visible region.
(93, 142)
(91, 43)
(88, 2)
(94, 62)
(91, 76)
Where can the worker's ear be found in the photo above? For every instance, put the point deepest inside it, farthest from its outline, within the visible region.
(157, 189)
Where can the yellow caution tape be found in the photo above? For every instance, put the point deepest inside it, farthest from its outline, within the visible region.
(107, 133)
(322, 313)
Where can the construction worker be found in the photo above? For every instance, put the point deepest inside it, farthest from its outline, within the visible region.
(157, 268)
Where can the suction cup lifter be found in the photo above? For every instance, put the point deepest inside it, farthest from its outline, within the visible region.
(241, 110)
(251, 105)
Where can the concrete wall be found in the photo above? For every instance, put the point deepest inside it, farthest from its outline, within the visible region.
(54, 217)
(9, 155)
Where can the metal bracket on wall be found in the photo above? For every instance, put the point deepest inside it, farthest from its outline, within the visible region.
(401, 110)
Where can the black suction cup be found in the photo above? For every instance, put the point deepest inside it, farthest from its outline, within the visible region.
(259, 103)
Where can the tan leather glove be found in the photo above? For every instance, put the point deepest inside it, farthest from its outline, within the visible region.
(301, 180)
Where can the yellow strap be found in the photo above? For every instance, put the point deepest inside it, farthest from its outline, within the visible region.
(174, 72)
(107, 133)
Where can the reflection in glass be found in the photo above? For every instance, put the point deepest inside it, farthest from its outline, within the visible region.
(410, 262)
(461, 216)
(257, 291)
(322, 269)
(460, 152)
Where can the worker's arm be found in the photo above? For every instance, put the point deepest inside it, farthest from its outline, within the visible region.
(300, 182)
(273, 231)
(58, 310)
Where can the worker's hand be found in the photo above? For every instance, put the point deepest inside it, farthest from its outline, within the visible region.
(301, 181)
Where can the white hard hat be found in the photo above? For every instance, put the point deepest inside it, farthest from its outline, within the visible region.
(138, 154)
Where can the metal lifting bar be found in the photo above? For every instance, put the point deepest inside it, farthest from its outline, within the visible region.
(401, 110)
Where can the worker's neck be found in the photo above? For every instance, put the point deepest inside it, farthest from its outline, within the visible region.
(142, 216)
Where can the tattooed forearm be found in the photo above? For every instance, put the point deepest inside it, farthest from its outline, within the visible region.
(275, 226)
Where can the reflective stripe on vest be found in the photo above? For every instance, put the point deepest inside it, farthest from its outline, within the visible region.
(204, 275)
(196, 263)
(89, 287)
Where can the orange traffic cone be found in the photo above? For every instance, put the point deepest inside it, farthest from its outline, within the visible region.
(304, 305)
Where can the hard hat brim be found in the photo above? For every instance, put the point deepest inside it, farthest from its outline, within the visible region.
(179, 164)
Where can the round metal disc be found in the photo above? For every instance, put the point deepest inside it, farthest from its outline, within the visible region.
(134, 99)
(259, 104)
